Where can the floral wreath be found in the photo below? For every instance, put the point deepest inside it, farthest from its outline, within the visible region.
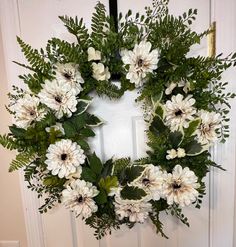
(185, 110)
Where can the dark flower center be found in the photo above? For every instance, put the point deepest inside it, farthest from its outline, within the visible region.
(32, 113)
(140, 62)
(176, 186)
(58, 99)
(80, 199)
(178, 113)
(63, 156)
(146, 181)
(67, 76)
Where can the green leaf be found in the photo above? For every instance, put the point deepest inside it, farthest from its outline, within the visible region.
(87, 132)
(108, 182)
(156, 98)
(176, 138)
(107, 168)
(101, 198)
(133, 172)
(194, 148)
(83, 144)
(160, 111)
(93, 121)
(88, 175)
(157, 126)
(82, 106)
(193, 125)
(17, 132)
(69, 128)
(95, 164)
(132, 193)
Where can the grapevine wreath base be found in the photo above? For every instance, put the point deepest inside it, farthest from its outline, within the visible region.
(185, 109)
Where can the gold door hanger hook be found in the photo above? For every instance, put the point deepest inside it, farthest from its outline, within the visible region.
(212, 40)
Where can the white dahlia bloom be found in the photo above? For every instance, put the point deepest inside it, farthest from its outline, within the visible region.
(141, 61)
(69, 74)
(135, 211)
(93, 55)
(64, 158)
(60, 97)
(27, 111)
(181, 186)
(210, 123)
(179, 111)
(78, 197)
(151, 181)
(100, 72)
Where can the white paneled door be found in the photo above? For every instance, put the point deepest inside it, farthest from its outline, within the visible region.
(123, 134)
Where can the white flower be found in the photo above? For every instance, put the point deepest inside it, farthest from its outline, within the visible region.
(69, 74)
(170, 87)
(93, 54)
(60, 97)
(78, 197)
(171, 154)
(56, 127)
(27, 111)
(141, 61)
(210, 122)
(100, 72)
(179, 111)
(64, 158)
(181, 152)
(135, 211)
(151, 181)
(181, 186)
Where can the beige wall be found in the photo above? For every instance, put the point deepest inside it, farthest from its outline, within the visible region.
(12, 226)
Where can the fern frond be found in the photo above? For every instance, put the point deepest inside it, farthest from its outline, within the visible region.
(8, 142)
(34, 81)
(119, 165)
(60, 50)
(34, 58)
(76, 28)
(21, 160)
(109, 89)
(99, 24)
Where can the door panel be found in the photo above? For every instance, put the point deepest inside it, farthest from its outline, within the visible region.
(123, 135)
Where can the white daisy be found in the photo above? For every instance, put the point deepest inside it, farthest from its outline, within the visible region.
(141, 61)
(151, 181)
(27, 111)
(78, 197)
(60, 97)
(135, 211)
(100, 72)
(210, 123)
(179, 111)
(181, 186)
(64, 158)
(93, 54)
(69, 74)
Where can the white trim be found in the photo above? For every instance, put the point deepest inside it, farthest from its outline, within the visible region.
(10, 27)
